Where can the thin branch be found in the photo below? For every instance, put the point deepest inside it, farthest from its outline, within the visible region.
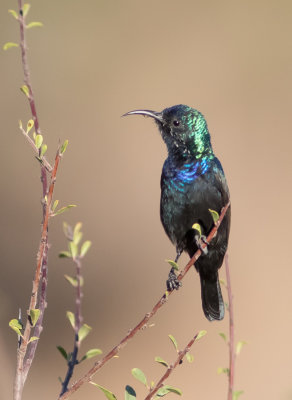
(170, 369)
(78, 322)
(231, 332)
(132, 332)
(79, 295)
(25, 66)
(25, 354)
(22, 370)
(41, 306)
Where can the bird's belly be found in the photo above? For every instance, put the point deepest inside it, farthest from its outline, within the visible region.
(179, 210)
(173, 217)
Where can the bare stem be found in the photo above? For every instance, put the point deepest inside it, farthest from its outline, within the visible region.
(25, 66)
(41, 305)
(78, 322)
(170, 369)
(231, 332)
(132, 332)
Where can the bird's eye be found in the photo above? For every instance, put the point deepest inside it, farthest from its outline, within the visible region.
(176, 122)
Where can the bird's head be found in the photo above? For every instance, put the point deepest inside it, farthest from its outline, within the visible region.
(183, 129)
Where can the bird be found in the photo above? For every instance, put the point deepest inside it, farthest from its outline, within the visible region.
(193, 184)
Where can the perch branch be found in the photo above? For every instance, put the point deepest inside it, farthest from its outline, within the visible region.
(132, 332)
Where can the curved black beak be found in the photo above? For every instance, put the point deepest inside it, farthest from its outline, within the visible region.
(146, 113)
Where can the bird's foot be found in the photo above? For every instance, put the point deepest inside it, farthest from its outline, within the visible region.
(199, 241)
(172, 281)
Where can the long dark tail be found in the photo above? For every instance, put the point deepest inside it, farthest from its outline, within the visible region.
(212, 301)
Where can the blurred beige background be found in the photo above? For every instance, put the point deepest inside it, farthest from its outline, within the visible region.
(92, 62)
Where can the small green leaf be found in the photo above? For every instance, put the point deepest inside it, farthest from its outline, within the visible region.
(29, 125)
(34, 135)
(83, 332)
(197, 227)
(161, 361)
(38, 141)
(25, 9)
(33, 338)
(215, 215)
(34, 25)
(9, 45)
(167, 389)
(34, 316)
(173, 390)
(190, 358)
(13, 13)
(161, 392)
(223, 336)
(25, 90)
(71, 318)
(63, 352)
(73, 249)
(63, 209)
(236, 394)
(73, 280)
(173, 264)
(16, 326)
(139, 375)
(55, 204)
(43, 150)
(108, 394)
(201, 334)
(85, 247)
(172, 338)
(64, 146)
(67, 230)
(130, 393)
(91, 353)
(77, 237)
(221, 370)
(239, 346)
(65, 254)
(76, 230)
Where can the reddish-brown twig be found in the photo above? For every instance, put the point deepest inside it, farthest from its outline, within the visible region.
(26, 350)
(99, 364)
(170, 369)
(231, 332)
(22, 369)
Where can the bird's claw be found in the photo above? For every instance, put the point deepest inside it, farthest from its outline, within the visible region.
(172, 281)
(202, 239)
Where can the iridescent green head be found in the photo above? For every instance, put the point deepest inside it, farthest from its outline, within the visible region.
(183, 129)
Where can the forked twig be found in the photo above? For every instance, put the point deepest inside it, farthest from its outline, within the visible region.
(170, 369)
